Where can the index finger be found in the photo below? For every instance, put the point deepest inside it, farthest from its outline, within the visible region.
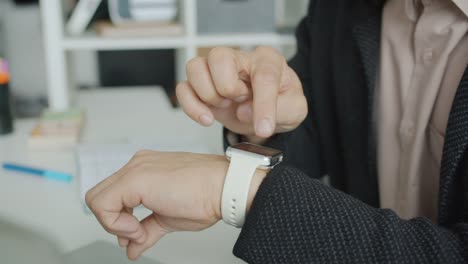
(267, 72)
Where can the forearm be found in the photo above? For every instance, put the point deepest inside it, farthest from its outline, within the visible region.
(295, 219)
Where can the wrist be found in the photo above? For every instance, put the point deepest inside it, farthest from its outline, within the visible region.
(223, 166)
(243, 179)
(254, 186)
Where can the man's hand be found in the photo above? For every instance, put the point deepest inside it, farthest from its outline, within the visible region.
(183, 190)
(255, 94)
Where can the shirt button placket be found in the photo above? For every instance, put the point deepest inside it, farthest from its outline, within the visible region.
(428, 54)
(407, 132)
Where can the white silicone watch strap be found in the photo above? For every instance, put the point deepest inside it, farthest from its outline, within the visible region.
(236, 188)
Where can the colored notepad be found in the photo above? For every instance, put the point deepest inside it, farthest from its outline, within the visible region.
(57, 130)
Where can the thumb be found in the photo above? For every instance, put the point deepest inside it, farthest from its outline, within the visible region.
(110, 207)
(154, 233)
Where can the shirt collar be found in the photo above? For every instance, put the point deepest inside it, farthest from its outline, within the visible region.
(414, 7)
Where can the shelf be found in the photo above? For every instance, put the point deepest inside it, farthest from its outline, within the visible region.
(60, 81)
(244, 39)
(91, 41)
(94, 42)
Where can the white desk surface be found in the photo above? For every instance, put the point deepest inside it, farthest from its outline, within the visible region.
(115, 116)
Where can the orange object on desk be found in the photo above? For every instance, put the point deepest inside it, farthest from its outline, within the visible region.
(4, 78)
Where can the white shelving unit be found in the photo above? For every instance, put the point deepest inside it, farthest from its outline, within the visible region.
(58, 45)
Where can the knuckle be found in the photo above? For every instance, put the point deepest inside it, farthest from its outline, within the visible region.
(223, 58)
(207, 94)
(303, 111)
(135, 233)
(267, 50)
(134, 161)
(135, 168)
(273, 54)
(142, 153)
(89, 199)
(209, 97)
(301, 114)
(181, 88)
(228, 90)
(105, 221)
(186, 107)
(219, 54)
(266, 76)
(194, 64)
(133, 178)
(139, 158)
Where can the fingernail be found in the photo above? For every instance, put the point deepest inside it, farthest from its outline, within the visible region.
(206, 120)
(225, 103)
(264, 127)
(241, 99)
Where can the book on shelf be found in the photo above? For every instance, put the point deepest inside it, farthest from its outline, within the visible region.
(137, 29)
(57, 130)
(81, 16)
(121, 12)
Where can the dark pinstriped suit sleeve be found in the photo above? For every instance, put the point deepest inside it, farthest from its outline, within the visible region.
(296, 219)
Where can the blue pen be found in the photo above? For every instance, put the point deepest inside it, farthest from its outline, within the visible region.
(47, 174)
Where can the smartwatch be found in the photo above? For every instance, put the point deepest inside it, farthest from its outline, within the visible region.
(244, 158)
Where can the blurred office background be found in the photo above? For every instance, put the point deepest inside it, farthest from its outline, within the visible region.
(87, 96)
(92, 62)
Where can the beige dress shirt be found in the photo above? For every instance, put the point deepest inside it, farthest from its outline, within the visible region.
(424, 52)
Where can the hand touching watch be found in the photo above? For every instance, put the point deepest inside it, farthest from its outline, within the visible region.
(254, 94)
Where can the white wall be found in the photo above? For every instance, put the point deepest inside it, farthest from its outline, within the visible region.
(25, 51)
(289, 13)
(2, 43)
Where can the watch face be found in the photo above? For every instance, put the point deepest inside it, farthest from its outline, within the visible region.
(269, 152)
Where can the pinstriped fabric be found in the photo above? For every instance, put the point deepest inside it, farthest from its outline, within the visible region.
(295, 219)
(456, 142)
(367, 37)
